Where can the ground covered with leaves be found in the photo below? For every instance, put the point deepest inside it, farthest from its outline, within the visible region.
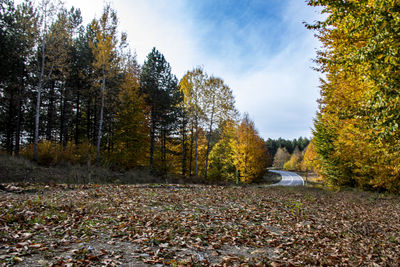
(64, 225)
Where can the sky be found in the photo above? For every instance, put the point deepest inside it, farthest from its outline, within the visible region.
(260, 48)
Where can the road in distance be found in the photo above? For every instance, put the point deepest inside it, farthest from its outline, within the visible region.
(289, 178)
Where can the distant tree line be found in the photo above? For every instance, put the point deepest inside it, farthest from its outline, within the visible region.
(76, 93)
(289, 154)
(290, 145)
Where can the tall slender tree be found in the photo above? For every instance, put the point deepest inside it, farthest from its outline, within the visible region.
(159, 87)
(219, 106)
(193, 86)
(105, 58)
(47, 13)
(18, 32)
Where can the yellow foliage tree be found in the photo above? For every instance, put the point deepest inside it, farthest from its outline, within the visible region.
(131, 140)
(294, 163)
(222, 156)
(311, 161)
(252, 157)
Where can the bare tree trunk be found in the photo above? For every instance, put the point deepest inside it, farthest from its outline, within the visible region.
(19, 118)
(152, 138)
(191, 150)
(101, 117)
(208, 144)
(196, 138)
(62, 115)
(10, 125)
(50, 113)
(18, 123)
(66, 114)
(77, 119)
(183, 145)
(164, 151)
(88, 121)
(39, 92)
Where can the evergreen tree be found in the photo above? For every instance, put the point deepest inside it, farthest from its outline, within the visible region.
(159, 87)
(18, 31)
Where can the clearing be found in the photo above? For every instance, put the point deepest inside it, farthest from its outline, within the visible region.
(139, 225)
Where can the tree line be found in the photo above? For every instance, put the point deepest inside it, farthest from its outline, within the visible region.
(76, 93)
(357, 129)
(290, 145)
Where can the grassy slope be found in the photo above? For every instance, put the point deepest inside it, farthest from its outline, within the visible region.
(199, 224)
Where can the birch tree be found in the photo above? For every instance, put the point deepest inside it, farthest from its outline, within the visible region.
(193, 86)
(219, 106)
(105, 57)
(47, 9)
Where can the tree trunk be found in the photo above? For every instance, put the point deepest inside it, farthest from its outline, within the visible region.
(101, 117)
(183, 146)
(65, 117)
(191, 150)
(39, 92)
(62, 116)
(19, 120)
(94, 122)
(196, 138)
(208, 144)
(10, 124)
(152, 137)
(164, 151)
(50, 113)
(88, 116)
(77, 119)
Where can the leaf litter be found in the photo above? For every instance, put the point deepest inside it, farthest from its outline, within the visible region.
(176, 225)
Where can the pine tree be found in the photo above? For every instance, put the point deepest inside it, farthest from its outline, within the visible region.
(160, 89)
(18, 32)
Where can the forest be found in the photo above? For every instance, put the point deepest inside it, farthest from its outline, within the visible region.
(356, 131)
(75, 93)
(75, 102)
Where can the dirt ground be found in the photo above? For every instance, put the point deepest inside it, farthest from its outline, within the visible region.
(195, 225)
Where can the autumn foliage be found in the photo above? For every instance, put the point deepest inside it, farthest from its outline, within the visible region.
(252, 157)
(91, 225)
(357, 127)
(77, 94)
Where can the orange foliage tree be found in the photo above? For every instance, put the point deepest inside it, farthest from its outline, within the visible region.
(251, 155)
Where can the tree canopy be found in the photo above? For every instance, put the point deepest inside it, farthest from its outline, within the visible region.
(356, 131)
(75, 93)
